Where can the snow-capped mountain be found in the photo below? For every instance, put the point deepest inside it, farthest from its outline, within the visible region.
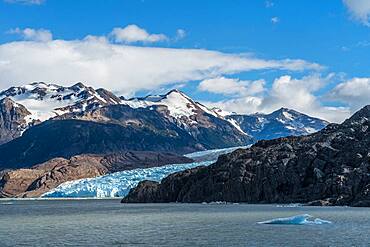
(211, 127)
(280, 123)
(179, 105)
(45, 101)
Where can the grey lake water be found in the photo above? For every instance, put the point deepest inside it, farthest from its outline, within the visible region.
(109, 223)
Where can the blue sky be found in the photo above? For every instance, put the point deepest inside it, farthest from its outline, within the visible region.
(307, 55)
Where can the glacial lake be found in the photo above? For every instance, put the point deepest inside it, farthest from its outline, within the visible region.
(110, 223)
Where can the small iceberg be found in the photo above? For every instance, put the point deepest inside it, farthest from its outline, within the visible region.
(291, 205)
(303, 219)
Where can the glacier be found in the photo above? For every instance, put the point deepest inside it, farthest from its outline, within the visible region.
(118, 184)
(296, 220)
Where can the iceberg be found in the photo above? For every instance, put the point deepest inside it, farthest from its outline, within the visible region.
(118, 184)
(296, 220)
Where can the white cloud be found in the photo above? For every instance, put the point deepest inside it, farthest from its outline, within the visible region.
(269, 4)
(229, 86)
(288, 92)
(360, 10)
(133, 33)
(122, 68)
(41, 35)
(275, 20)
(180, 34)
(355, 92)
(28, 2)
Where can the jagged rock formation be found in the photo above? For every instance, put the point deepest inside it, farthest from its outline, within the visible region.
(35, 181)
(12, 120)
(330, 167)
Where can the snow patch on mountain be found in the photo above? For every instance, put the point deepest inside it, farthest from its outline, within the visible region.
(178, 104)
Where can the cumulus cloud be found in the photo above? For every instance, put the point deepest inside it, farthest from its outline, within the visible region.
(298, 94)
(122, 68)
(28, 2)
(355, 92)
(133, 34)
(41, 35)
(230, 86)
(360, 10)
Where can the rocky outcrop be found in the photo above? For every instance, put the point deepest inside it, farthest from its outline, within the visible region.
(12, 120)
(35, 181)
(331, 167)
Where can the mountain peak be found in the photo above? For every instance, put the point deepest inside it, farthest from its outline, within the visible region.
(78, 86)
(360, 115)
(6, 100)
(175, 90)
(178, 93)
(288, 110)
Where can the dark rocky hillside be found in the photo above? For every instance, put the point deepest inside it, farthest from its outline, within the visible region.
(330, 167)
(66, 138)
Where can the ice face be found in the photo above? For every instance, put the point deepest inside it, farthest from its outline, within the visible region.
(296, 220)
(119, 184)
(211, 155)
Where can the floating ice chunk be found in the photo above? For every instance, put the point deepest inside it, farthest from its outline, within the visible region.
(291, 205)
(296, 220)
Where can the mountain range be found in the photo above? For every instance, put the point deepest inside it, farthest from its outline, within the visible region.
(25, 106)
(42, 122)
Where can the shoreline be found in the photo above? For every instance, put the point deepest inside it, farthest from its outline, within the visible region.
(279, 205)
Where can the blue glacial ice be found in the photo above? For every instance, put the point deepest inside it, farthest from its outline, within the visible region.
(296, 220)
(118, 184)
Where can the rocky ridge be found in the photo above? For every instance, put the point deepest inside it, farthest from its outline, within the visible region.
(330, 167)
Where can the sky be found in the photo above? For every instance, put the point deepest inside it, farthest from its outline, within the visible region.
(240, 56)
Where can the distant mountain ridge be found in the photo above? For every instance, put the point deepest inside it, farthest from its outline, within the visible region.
(280, 123)
(50, 101)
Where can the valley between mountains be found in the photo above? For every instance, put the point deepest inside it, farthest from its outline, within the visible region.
(51, 134)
